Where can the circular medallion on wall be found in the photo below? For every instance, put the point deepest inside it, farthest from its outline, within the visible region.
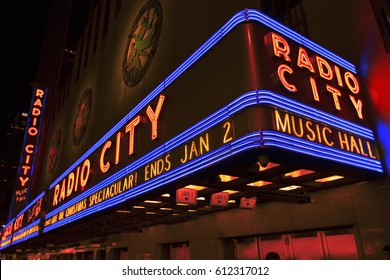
(142, 43)
(54, 150)
(82, 116)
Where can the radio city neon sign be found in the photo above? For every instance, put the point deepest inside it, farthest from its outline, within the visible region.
(77, 180)
(29, 148)
(316, 66)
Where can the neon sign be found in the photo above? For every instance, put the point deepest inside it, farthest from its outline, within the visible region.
(6, 235)
(296, 127)
(121, 145)
(215, 138)
(316, 132)
(141, 174)
(335, 82)
(116, 169)
(29, 150)
(26, 224)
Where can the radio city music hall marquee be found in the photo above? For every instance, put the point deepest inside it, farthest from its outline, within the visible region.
(327, 85)
(309, 101)
(318, 71)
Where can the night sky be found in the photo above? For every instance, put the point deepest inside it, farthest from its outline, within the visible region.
(23, 24)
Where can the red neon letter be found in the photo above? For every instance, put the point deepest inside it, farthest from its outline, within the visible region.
(153, 116)
(23, 181)
(336, 93)
(117, 147)
(314, 89)
(338, 76)
(358, 106)
(130, 128)
(355, 88)
(25, 168)
(304, 60)
(85, 169)
(281, 70)
(38, 103)
(281, 47)
(29, 149)
(39, 93)
(56, 193)
(69, 190)
(321, 63)
(104, 167)
(35, 112)
(32, 131)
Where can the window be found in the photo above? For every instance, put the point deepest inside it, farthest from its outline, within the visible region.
(247, 248)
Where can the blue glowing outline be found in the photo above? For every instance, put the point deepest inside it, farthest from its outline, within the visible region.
(244, 101)
(10, 236)
(247, 142)
(240, 17)
(4, 241)
(38, 136)
(251, 98)
(31, 203)
(27, 236)
(295, 144)
(29, 120)
(263, 139)
(298, 38)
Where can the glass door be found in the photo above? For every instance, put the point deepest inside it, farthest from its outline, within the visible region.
(273, 246)
(307, 246)
(247, 248)
(340, 244)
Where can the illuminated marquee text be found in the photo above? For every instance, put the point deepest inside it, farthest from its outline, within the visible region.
(29, 147)
(110, 155)
(152, 116)
(322, 134)
(71, 183)
(319, 67)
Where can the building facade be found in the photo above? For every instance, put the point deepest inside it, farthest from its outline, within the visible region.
(207, 130)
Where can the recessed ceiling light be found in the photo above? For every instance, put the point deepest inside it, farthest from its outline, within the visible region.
(298, 173)
(195, 187)
(227, 178)
(329, 179)
(259, 183)
(290, 188)
(230, 191)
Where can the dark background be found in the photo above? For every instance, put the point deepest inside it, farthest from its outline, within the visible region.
(22, 27)
(23, 24)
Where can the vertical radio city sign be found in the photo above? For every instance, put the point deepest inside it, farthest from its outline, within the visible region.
(29, 149)
(290, 94)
